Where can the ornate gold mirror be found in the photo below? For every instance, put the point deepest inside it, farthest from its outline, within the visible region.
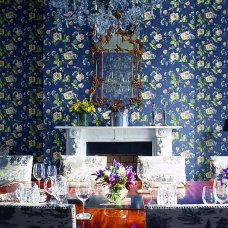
(115, 81)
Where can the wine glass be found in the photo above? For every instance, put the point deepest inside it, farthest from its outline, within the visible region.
(140, 174)
(51, 171)
(208, 195)
(38, 172)
(83, 192)
(220, 191)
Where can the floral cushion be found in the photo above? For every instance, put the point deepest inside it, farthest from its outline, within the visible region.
(37, 215)
(217, 163)
(16, 168)
(77, 168)
(160, 169)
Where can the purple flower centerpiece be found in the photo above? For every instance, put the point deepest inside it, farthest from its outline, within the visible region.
(118, 178)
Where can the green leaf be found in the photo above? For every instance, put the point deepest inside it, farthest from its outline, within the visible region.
(75, 46)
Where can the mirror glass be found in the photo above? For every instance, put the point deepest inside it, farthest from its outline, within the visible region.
(116, 80)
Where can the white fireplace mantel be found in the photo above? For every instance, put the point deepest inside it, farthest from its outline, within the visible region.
(160, 136)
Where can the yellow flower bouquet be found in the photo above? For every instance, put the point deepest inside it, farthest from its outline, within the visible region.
(82, 106)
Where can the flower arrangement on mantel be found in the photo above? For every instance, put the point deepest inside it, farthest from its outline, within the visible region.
(118, 178)
(82, 107)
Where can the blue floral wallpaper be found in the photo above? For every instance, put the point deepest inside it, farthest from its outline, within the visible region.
(183, 64)
(21, 77)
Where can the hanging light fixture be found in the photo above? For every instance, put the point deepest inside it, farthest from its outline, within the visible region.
(104, 15)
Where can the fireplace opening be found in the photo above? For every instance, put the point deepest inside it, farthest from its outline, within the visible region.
(123, 152)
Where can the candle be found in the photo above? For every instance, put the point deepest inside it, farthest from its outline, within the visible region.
(95, 5)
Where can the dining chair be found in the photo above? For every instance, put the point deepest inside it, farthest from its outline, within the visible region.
(191, 215)
(37, 215)
(16, 167)
(76, 168)
(217, 163)
(158, 169)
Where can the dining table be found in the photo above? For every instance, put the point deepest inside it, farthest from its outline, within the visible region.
(189, 193)
(132, 217)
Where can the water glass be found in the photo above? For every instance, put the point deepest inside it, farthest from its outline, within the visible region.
(208, 195)
(27, 193)
(167, 194)
(58, 189)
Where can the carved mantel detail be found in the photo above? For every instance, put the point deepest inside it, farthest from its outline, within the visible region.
(159, 136)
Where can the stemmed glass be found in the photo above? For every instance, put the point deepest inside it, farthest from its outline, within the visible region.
(83, 192)
(140, 174)
(208, 195)
(51, 171)
(38, 172)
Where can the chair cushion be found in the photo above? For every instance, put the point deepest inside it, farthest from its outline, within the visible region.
(82, 167)
(218, 163)
(159, 168)
(16, 168)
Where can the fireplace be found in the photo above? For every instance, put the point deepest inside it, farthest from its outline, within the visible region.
(156, 140)
(123, 152)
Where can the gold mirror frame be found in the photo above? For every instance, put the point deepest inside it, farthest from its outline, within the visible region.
(99, 79)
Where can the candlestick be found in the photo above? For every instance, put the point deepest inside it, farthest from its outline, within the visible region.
(95, 5)
(153, 114)
(164, 113)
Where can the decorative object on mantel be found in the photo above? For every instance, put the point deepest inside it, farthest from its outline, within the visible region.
(154, 108)
(82, 109)
(164, 113)
(119, 118)
(118, 179)
(155, 113)
(225, 127)
(100, 14)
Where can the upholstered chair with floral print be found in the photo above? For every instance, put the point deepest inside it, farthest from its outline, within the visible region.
(76, 168)
(217, 163)
(16, 167)
(156, 169)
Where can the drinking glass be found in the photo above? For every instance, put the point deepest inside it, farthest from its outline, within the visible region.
(167, 194)
(140, 174)
(83, 192)
(58, 189)
(27, 193)
(51, 171)
(220, 191)
(38, 172)
(208, 195)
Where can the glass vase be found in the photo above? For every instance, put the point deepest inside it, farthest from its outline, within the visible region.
(83, 119)
(220, 190)
(116, 197)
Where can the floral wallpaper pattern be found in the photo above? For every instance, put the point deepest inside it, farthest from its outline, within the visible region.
(183, 64)
(21, 77)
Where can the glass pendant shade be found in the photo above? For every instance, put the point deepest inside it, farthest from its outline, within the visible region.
(101, 14)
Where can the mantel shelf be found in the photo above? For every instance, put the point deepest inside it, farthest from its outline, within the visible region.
(111, 127)
(78, 136)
